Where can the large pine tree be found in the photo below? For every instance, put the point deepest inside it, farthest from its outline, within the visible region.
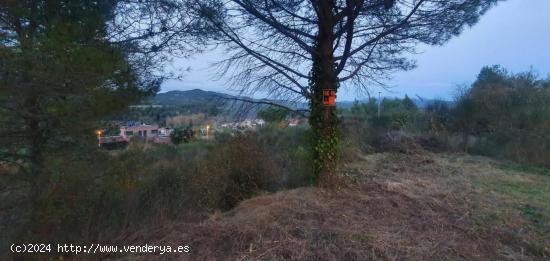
(59, 75)
(301, 50)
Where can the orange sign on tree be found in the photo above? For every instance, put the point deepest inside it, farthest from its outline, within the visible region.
(329, 97)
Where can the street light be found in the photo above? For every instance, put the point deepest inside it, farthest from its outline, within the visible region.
(98, 133)
(379, 102)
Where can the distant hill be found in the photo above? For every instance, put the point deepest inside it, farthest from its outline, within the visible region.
(195, 96)
(197, 100)
(210, 102)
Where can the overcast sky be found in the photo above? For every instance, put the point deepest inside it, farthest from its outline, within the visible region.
(514, 34)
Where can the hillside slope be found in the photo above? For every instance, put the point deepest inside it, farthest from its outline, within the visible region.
(389, 206)
(195, 96)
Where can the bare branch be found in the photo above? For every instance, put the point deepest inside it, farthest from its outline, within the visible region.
(301, 112)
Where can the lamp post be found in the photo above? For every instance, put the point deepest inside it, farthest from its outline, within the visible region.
(379, 102)
(98, 133)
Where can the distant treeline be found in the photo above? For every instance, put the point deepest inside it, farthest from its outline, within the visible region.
(159, 114)
(501, 114)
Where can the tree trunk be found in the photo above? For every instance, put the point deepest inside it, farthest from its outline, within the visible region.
(323, 119)
(34, 130)
(36, 141)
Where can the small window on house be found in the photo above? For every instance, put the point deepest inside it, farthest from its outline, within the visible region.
(129, 133)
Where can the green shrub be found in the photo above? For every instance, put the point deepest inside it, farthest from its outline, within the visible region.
(93, 195)
(290, 148)
(182, 135)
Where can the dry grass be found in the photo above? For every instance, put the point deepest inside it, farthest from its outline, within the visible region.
(390, 207)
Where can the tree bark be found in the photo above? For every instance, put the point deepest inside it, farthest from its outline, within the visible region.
(34, 127)
(323, 119)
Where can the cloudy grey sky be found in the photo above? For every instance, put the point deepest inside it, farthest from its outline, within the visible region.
(514, 34)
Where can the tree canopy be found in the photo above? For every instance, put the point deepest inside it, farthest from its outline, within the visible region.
(273, 114)
(64, 65)
(295, 50)
(271, 43)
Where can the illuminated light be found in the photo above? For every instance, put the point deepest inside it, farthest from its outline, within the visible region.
(98, 133)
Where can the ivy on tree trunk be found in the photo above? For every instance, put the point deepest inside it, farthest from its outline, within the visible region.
(323, 119)
(324, 125)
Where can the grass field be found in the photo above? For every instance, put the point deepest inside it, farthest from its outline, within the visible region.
(388, 206)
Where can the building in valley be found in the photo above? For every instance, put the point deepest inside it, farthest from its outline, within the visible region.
(147, 132)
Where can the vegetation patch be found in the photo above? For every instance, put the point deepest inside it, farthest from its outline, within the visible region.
(395, 205)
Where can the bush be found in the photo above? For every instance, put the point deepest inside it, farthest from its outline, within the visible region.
(94, 195)
(401, 142)
(273, 114)
(366, 131)
(290, 149)
(508, 116)
(244, 169)
(184, 135)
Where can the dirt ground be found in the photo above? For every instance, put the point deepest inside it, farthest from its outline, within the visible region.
(387, 207)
